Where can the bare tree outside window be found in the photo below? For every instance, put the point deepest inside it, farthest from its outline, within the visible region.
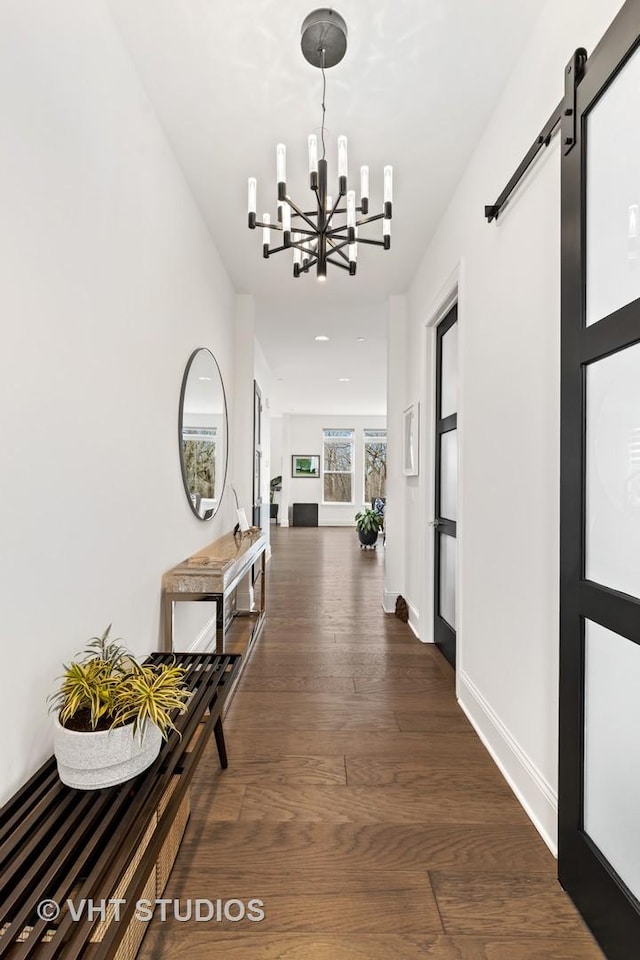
(338, 466)
(199, 453)
(375, 464)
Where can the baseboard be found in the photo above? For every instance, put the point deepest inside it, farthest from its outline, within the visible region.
(336, 523)
(535, 794)
(389, 601)
(414, 619)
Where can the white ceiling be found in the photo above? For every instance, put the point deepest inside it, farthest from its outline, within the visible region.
(418, 82)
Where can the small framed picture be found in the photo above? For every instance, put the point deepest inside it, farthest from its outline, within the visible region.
(307, 465)
(410, 441)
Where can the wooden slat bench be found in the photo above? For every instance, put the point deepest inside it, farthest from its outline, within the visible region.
(63, 845)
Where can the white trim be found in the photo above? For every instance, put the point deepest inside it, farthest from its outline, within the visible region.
(414, 619)
(351, 473)
(336, 523)
(535, 793)
(366, 430)
(446, 298)
(411, 440)
(451, 292)
(389, 598)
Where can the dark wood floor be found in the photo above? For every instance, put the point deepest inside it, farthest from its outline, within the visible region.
(359, 805)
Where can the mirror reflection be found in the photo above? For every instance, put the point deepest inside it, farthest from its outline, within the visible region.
(203, 433)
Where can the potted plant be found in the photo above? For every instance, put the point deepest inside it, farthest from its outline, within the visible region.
(368, 523)
(274, 487)
(111, 714)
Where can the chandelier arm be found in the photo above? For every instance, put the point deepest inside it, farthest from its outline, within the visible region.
(336, 263)
(373, 243)
(334, 209)
(272, 226)
(337, 248)
(301, 214)
(339, 252)
(306, 213)
(318, 210)
(278, 249)
(377, 216)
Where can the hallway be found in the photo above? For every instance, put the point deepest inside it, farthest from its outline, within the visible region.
(358, 805)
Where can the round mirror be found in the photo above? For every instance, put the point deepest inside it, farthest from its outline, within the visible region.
(203, 433)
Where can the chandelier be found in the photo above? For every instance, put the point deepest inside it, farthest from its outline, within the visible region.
(330, 232)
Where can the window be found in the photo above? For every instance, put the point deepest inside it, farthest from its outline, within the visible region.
(199, 453)
(375, 464)
(337, 466)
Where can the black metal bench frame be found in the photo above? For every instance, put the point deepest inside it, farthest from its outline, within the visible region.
(58, 843)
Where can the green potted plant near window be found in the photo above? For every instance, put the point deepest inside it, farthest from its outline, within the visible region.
(111, 714)
(368, 523)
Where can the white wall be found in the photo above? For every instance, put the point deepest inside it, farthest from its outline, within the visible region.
(108, 281)
(397, 489)
(276, 448)
(264, 379)
(303, 435)
(509, 309)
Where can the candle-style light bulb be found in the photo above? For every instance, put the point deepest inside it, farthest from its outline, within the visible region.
(388, 191)
(281, 170)
(351, 208)
(342, 157)
(286, 223)
(386, 233)
(353, 253)
(351, 214)
(252, 201)
(253, 194)
(313, 153)
(281, 163)
(364, 189)
(266, 234)
(342, 164)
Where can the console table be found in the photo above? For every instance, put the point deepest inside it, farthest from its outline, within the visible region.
(214, 574)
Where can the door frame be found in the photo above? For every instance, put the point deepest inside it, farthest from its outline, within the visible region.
(451, 292)
(604, 901)
(444, 633)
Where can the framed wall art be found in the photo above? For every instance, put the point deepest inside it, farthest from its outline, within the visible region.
(305, 465)
(410, 441)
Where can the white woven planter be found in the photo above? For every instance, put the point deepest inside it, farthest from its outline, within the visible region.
(103, 758)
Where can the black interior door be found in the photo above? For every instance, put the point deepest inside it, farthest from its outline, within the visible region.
(599, 774)
(446, 485)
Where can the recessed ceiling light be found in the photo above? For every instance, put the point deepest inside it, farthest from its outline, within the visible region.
(322, 339)
(344, 379)
(359, 339)
(204, 378)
